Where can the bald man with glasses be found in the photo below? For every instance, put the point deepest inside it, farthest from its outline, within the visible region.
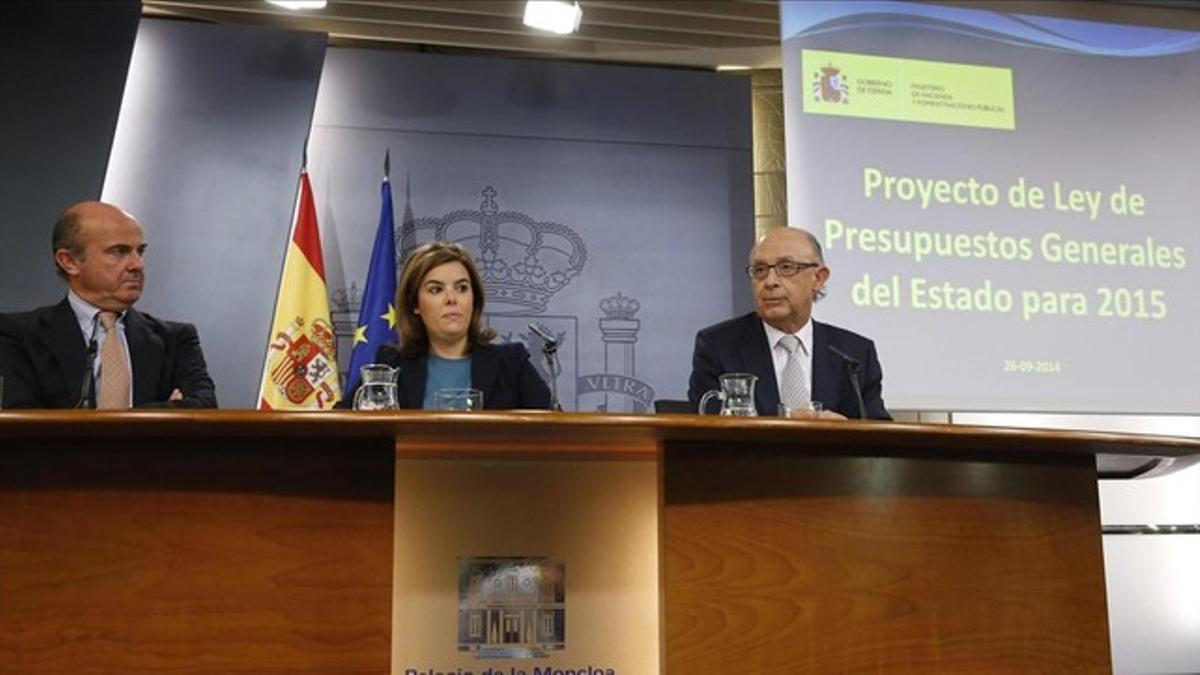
(797, 360)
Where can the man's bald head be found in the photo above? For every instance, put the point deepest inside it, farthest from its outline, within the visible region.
(98, 251)
(68, 228)
(792, 236)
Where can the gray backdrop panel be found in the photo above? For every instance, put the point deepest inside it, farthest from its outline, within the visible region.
(378, 89)
(62, 71)
(207, 156)
(649, 169)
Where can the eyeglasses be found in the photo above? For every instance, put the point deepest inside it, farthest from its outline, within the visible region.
(784, 268)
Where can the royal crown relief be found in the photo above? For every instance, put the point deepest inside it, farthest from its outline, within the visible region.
(524, 263)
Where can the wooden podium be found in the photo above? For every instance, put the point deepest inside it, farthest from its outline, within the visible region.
(238, 541)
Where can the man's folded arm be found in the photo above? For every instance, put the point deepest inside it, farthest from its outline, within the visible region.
(189, 375)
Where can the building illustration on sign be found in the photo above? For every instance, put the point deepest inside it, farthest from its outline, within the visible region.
(511, 607)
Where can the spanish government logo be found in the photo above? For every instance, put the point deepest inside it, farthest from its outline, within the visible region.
(525, 262)
(830, 86)
(303, 365)
(511, 607)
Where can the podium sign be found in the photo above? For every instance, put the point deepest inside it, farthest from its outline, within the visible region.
(525, 566)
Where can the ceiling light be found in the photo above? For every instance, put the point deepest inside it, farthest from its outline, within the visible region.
(299, 4)
(556, 16)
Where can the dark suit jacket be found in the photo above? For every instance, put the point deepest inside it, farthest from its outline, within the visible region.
(740, 346)
(43, 356)
(502, 372)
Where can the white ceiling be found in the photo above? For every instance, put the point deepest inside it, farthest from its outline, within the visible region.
(690, 33)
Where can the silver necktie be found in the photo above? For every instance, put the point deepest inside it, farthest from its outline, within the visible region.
(793, 389)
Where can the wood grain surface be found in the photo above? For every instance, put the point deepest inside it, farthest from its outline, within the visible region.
(223, 555)
(568, 434)
(243, 541)
(776, 562)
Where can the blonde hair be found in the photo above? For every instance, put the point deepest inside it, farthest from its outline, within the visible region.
(414, 339)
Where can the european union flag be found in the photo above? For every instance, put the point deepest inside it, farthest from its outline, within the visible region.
(377, 315)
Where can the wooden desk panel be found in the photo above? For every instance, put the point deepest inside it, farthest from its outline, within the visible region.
(241, 541)
(777, 562)
(169, 555)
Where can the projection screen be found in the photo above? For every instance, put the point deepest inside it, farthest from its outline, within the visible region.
(1010, 204)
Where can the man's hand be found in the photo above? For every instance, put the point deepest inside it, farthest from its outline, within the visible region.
(175, 396)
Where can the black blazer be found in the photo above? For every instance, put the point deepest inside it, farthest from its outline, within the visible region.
(740, 346)
(43, 357)
(502, 372)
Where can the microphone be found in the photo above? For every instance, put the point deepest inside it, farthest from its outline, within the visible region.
(550, 341)
(852, 368)
(88, 386)
(388, 354)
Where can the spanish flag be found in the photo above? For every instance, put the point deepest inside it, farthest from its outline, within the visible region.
(301, 365)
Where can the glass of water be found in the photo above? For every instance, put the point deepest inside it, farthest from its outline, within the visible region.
(458, 399)
(809, 411)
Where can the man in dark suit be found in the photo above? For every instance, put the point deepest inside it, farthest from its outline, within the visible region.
(788, 273)
(45, 353)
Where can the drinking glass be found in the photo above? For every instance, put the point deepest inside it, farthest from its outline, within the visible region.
(809, 411)
(458, 399)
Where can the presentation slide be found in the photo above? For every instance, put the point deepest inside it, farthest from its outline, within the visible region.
(1009, 204)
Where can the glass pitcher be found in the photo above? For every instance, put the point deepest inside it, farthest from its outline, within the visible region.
(736, 395)
(378, 388)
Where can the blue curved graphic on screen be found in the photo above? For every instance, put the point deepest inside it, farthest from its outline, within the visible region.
(1037, 32)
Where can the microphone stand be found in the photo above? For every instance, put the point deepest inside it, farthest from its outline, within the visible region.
(852, 371)
(550, 353)
(852, 368)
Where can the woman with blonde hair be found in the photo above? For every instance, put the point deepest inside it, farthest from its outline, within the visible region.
(444, 343)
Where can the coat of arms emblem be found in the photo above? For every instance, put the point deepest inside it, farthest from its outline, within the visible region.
(302, 363)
